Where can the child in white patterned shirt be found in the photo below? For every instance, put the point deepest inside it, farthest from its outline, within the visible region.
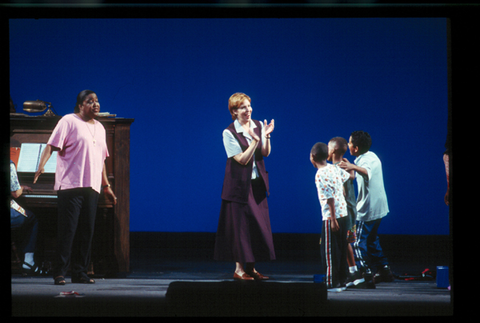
(329, 181)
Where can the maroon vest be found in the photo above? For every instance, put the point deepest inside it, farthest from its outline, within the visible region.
(238, 177)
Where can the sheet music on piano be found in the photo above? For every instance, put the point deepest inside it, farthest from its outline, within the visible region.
(29, 158)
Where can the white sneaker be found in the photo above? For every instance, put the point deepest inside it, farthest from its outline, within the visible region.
(337, 289)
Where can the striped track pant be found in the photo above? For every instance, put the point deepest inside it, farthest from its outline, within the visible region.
(333, 252)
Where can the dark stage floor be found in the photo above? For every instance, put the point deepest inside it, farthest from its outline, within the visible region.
(182, 265)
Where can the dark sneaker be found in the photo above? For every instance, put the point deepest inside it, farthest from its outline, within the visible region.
(355, 279)
(370, 283)
(384, 274)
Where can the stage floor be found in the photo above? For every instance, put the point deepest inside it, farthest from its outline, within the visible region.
(143, 292)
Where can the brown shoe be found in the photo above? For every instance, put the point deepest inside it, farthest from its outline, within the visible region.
(258, 276)
(244, 276)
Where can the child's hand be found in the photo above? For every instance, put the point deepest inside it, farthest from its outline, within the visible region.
(334, 225)
(27, 189)
(345, 164)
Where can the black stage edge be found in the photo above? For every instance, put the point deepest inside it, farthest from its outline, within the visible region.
(230, 298)
(413, 251)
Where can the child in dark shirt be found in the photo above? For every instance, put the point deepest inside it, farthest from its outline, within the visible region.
(337, 147)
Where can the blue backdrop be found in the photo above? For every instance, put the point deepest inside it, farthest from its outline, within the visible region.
(318, 78)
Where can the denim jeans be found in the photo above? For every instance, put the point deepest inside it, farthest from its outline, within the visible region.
(368, 252)
(27, 227)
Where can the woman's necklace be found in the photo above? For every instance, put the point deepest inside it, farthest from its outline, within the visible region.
(94, 129)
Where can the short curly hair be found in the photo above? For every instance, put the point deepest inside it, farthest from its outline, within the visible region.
(362, 140)
(319, 152)
(340, 143)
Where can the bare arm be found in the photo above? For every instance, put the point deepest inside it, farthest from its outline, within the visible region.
(346, 165)
(46, 154)
(333, 220)
(19, 192)
(268, 128)
(267, 148)
(244, 157)
(352, 175)
(107, 189)
(446, 161)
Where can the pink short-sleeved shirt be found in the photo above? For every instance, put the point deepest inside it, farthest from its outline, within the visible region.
(83, 150)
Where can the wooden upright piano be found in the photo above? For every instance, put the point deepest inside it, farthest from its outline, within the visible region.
(111, 242)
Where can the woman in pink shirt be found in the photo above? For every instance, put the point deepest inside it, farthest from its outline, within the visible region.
(79, 178)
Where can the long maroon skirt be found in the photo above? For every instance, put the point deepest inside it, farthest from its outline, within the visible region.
(244, 233)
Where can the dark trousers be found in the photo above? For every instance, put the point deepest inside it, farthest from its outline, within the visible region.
(368, 252)
(77, 209)
(333, 251)
(27, 227)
